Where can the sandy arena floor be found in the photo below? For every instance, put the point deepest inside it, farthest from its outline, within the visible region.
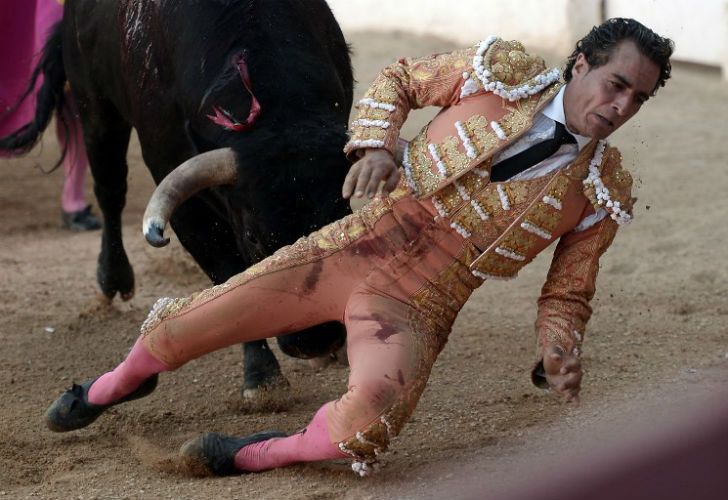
(658, 333)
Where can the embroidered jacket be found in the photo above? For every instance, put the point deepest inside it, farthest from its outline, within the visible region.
(490, 94)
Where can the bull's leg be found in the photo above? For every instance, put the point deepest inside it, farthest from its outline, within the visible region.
(327, 338)
(261, 370)
(193, 226)
(208, 237)
(261, 367)
(106, 141)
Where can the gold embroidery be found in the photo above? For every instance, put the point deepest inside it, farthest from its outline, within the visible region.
(520, 117)
(479, 129)
(383, 90)
(369, 113)
(425, 179)
(499, 266)
(511, 65)
(365, 133)
(455, 160)
(544, 216)
(519, 241)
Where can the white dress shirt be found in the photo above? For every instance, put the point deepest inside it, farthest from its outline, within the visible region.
(543, 129)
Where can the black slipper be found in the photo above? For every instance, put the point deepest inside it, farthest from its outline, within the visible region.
(72, 410)
(215, 453)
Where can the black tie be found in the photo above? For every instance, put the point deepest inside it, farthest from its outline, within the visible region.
(517, 163)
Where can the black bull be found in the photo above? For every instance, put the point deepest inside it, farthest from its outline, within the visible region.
(261, 86)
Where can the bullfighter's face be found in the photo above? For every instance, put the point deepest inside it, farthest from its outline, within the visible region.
(598, 100)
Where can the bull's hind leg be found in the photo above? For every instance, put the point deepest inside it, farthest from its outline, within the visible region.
(196, 226)
(262, 370)
(107, 140)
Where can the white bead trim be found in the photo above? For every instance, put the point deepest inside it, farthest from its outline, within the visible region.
(602, 193)
(486, 276)
(550, 200)
(470, 150)
(363, 122)
(505, 203)
(470, 87)
(498, 131)
(439, 207)
(590, 220)
(368, 143)
(536, 230)
(388, 426)
(510, 254)
(363, 469)
(462, 191)
(371, 103)
(479, 210)
(481, 172)
(460, 230)
(434, 151)
(408, 175)
(158, 306)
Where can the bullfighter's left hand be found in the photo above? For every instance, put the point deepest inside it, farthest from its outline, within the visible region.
(563, 372)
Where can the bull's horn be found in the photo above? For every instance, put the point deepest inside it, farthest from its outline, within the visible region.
(213, 168)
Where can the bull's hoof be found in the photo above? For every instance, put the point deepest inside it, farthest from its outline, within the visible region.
(214, 454)
(339, 357)
(73, 411)
(115, 277)
(253, 390)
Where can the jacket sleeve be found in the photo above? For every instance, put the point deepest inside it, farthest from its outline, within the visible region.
(405, 85)
(563, 307)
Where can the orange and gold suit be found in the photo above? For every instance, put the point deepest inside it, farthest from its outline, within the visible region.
(397, 272)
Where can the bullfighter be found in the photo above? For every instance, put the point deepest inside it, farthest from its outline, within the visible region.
(516, 159)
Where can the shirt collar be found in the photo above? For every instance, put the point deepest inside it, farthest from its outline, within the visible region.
(555, 111)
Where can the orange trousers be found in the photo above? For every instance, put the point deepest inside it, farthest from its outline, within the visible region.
(394, 273)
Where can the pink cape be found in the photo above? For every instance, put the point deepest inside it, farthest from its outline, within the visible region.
(24, 27)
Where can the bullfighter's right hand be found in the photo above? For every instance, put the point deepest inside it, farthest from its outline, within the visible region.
(563, 371)
(364, 177)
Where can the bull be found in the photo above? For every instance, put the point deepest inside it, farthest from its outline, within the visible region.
(241, 110)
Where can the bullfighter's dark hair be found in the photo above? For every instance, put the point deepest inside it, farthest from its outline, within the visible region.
(598, 45)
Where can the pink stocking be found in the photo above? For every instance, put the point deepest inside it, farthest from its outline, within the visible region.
(311, 444)
(75, 163)
(138, 366)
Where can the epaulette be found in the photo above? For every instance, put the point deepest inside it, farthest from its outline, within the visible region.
(507, 70)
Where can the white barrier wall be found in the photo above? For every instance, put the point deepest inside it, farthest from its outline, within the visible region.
(544, 26)
(699, 27)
